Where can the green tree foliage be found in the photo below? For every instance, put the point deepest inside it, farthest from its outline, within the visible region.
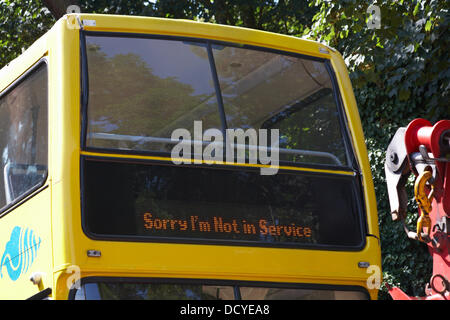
(22, 22)
(283, 16)
(399, 72)
(126, 7)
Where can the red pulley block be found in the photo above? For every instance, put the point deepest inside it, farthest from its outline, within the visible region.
(421, 132)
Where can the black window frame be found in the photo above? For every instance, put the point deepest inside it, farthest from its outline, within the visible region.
(352, 166)
(235, 284)
(243, 243)
(30, 193)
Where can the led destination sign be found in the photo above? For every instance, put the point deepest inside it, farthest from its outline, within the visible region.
(219, 225)
(175, 203)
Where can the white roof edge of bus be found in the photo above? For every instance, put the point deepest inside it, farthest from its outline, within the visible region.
(87, 15)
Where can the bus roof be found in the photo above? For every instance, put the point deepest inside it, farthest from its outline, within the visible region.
(190, 28)
(170, 27)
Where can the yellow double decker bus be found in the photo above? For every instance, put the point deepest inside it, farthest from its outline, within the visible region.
(96, 204)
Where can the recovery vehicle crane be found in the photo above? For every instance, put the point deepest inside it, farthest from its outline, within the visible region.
(423, 149)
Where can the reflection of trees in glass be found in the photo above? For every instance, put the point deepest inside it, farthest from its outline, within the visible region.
(125, 97)
(273, 91)
(23, 132)
(249, 81)
(233, 64)
(310, 126)
(178, 292)
(151, 291)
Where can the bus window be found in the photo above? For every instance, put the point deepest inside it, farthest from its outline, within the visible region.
(260, 293)
(23, 136)
(142, 89)
(275, 91)
(110, 290)
(177, 203)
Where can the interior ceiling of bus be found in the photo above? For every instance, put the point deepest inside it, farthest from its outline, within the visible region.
(278, 98)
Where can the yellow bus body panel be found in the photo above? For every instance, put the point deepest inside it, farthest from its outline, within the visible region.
(55, 211)
(31, 218)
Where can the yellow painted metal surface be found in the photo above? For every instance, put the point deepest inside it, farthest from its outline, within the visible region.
(27, 228)
(55, 211)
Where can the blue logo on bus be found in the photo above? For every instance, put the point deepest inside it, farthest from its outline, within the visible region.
(20, 252)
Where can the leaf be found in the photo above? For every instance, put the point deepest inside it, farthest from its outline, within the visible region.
(416, 9)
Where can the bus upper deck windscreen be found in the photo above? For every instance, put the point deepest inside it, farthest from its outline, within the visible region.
(143, 88)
